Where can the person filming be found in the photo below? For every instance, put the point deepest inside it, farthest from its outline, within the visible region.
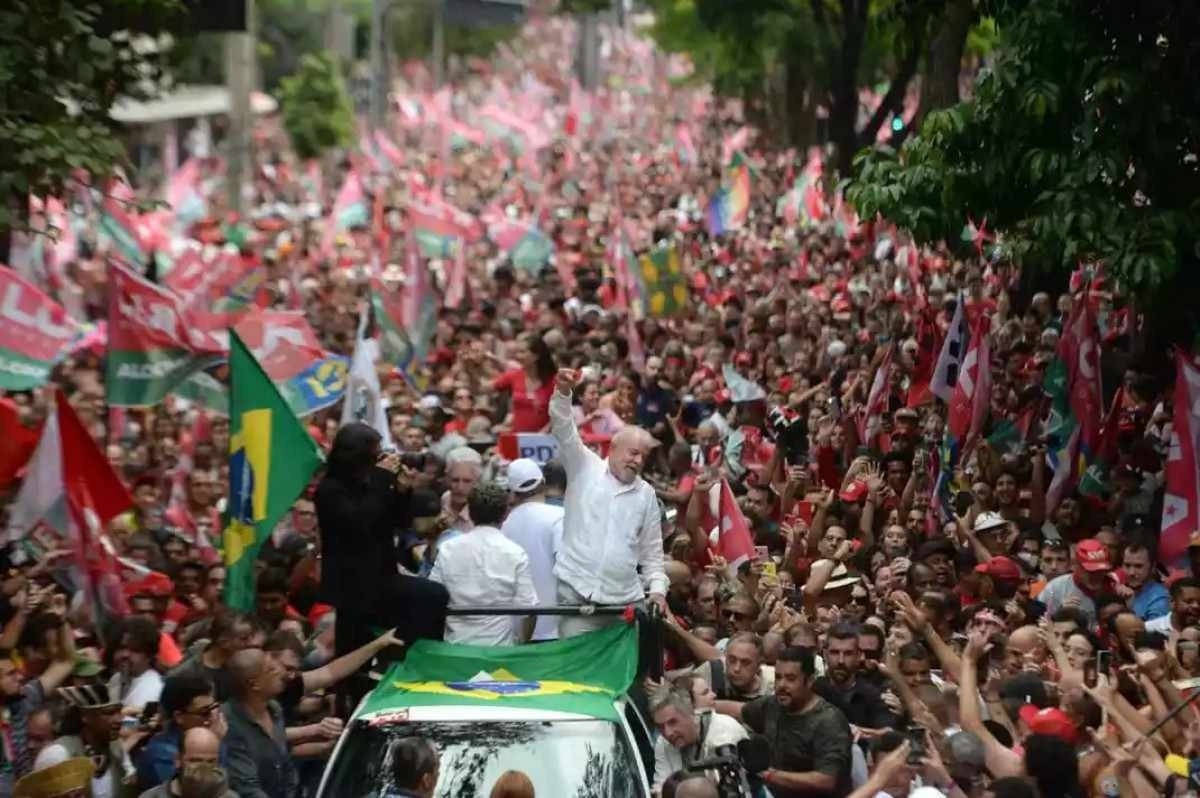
(361, 502)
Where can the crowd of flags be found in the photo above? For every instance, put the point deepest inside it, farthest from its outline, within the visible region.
(203, 330)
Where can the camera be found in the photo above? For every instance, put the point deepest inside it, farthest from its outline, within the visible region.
(413, 460)
(732, 764)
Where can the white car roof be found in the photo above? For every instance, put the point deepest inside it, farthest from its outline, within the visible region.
(460, 713)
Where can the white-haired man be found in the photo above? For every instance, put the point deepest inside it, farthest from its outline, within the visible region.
(612, 527)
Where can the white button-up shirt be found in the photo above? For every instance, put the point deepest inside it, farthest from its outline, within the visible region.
(610, 529)
(537, 528)
(483, 568)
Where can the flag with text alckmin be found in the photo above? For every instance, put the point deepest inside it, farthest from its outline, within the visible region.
(152, 345)
(271, 459)
(1180, 517)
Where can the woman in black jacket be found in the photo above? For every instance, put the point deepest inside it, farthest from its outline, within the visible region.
(362, 502)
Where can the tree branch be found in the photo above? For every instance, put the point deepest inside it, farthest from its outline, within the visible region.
(895, 93)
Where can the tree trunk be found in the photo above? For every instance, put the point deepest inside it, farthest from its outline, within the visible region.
(801, 112)
(843, 116)
(939, 84)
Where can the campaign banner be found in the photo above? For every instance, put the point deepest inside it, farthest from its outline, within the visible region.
(536, 446)
(152, 347)
(34, 333)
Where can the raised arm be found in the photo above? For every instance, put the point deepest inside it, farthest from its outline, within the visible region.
(330, 674)
(571, 450)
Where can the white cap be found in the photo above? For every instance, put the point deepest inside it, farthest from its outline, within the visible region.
(524, 476)
(989, 520)
(429, 401)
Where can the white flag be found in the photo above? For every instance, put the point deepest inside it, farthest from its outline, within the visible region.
(949, 362)
(364, 398)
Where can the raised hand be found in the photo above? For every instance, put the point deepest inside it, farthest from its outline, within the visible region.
(566, 380)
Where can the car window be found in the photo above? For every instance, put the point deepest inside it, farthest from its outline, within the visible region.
(572, 759)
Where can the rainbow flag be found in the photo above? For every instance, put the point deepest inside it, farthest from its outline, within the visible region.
(729, 207)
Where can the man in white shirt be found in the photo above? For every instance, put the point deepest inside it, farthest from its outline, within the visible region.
(484, 568)
(686, 736)
(135, 683)
(612, 526)
(537, 528)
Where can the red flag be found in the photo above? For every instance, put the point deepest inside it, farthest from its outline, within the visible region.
(17, 442)
(872, 417)
(971, 396)
(1180, 518)
(1079, 349)
(94, 496)
(735, 543)
(929, 344)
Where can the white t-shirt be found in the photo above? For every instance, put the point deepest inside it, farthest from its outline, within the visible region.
(537, 528)
(140, 691)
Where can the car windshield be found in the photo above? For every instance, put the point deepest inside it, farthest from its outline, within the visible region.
(572, 759)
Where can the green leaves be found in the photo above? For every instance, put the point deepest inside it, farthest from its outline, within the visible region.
(62, 66)
(316, 107)
(1074, 145)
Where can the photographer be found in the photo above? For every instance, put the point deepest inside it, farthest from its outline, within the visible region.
(361, 502)
(686, 736)
(810, 738)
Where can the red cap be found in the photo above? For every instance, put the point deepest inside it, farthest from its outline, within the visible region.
(743, 359)
(1092, 556)
(722, 396)
(854, 492)
(153, 584)
(1051, 721)
(1000, 568)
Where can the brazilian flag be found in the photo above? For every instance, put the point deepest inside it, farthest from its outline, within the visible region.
(271, 459)
(581, 674)
(661, 283)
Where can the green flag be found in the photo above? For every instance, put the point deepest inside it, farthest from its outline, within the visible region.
(662, 288)
(271, 458)
(581, 674)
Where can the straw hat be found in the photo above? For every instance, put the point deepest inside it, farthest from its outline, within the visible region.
(70, 779)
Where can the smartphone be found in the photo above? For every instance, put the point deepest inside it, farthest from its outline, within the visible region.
(1103, 661)
(149, 715)
(769, 572)
(916, 742)
(761, 554)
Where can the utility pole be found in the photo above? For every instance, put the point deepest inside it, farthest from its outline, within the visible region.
(240, 78)
(439, 43)
(379, 81)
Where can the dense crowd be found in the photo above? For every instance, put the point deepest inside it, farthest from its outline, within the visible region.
(896, 624)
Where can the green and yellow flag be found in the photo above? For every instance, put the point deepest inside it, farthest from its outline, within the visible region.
(271, 458)
(581, 674)
(662, 287)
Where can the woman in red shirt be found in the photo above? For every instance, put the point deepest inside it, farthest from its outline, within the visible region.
(531, 385)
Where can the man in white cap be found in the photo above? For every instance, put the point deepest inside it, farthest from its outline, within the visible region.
(536, 527)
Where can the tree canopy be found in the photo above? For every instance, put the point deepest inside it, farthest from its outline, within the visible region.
(1080, 144)
(798, 63)
(316, 107)
(62, 66)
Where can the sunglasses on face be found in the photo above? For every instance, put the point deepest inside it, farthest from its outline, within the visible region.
(859, 599)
